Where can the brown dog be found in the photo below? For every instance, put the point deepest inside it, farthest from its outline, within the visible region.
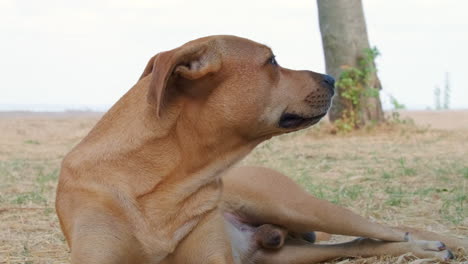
(148, 174)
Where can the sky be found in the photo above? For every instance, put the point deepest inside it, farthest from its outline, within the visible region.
(69, 54)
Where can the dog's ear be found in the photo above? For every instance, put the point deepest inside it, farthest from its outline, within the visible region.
(149, 67)
(191, 61)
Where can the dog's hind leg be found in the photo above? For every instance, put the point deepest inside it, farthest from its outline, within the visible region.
(265, 196)
(298, 252)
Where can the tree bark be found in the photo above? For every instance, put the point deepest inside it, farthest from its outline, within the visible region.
(344, 39)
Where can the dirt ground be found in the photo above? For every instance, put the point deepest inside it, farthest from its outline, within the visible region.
(399, 174)
(445, 119)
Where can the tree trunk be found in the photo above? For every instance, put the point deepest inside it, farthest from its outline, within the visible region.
(344, 38)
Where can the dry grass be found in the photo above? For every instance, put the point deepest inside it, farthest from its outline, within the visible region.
(398, 175)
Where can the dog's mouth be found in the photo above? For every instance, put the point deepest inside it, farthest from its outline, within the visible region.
(290, 121)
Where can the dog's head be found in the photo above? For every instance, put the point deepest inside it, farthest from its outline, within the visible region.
(234, 85)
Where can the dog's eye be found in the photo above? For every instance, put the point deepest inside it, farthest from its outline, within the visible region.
(272, 60)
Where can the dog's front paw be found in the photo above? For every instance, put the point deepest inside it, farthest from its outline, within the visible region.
(430, 249)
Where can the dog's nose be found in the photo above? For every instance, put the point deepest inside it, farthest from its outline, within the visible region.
(329, 82)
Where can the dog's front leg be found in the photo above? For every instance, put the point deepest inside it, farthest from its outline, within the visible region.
(101, 238)
(301, 252)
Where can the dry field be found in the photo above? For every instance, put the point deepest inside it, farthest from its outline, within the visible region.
(398, 175)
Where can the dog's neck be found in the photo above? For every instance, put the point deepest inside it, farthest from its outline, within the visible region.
(153, 148)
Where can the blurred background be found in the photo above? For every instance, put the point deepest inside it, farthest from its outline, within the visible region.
(77, 55)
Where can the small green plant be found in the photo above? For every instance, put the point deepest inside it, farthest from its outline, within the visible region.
(26, 252)
(352, 192)
(396, 104)
(34, 197)
(43, 178)
(347, 122)
(354, 84)
(464, 172)
(454, 206)
(406, 171)
(396, 196)
(395, 116)
(48, 211)
(32, 142)
(386, 175)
